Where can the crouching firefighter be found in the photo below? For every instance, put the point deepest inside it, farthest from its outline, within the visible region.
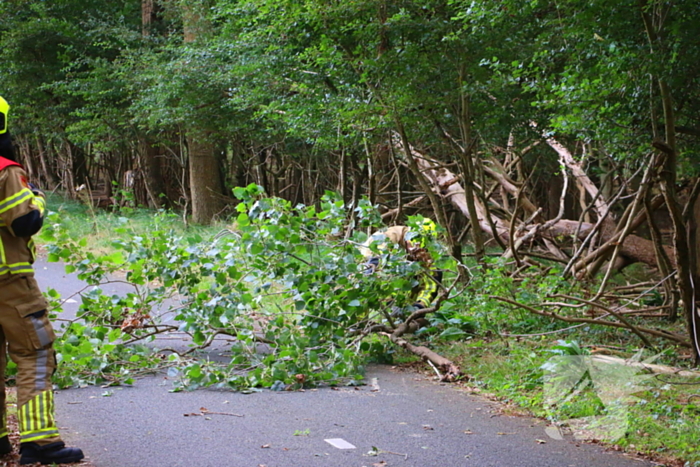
(25, 331)
(414, 242)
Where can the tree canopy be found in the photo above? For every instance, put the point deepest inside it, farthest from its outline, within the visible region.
(567, 130)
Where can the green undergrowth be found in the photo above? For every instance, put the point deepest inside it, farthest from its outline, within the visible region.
(100, 227)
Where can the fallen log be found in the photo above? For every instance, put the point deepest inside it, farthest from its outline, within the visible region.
(652, 368)
(637, 249)
(449, 371)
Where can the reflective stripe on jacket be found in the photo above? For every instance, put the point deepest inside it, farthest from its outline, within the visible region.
(427, 288)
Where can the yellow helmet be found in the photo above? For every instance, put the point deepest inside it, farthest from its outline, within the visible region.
(4, 111)
(423, 231)
(428, 227)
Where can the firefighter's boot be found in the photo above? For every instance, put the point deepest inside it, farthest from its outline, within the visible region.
(5, 445)
(54, 453)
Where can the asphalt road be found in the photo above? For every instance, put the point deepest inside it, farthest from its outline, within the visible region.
(398, 419)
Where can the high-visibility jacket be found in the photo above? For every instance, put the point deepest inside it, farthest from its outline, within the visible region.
(25, 330)
(16, 200)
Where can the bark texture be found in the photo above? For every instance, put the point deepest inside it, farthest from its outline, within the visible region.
(205, 181)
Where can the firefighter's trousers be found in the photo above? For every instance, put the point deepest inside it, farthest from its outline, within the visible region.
(27, 334)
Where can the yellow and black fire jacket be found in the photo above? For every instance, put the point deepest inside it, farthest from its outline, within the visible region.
(21, 215)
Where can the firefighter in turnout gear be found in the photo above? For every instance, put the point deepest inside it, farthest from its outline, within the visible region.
(414, 242)
(25, 330)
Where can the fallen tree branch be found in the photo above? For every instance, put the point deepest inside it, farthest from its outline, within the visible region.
(632, 246)
(653, 368)
(636, 204)
(654, 332)
(601, 206)
(621, 318)
(451, 372)
(593, 233)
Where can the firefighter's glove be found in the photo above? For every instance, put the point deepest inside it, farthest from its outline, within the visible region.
(39, 201)
(397, 312)
(35, 189)
(371, 266)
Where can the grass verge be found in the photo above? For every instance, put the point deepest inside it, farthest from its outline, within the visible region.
(101, 228)
(663, 417)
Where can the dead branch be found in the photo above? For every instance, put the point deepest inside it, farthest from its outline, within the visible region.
(640, 286)
(621, 318)
(636, 204)
(512, 250)
(653, 368)
(511, 188)
(580, 176)
(597, 228)
(400, 140)
(396, 211)
(671, 293)
(451, 372)
(440, 178)
(557, 256)
(634, 247)
(654, 332)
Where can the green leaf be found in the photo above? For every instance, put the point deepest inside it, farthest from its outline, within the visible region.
(452, 333)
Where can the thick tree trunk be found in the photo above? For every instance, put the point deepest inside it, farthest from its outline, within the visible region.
(683, 265)
(694, 240)
(680, 235)
(634, 247)
(205, 174)
(147, 153)
(205, 181)
(149, 14)
(694, 243)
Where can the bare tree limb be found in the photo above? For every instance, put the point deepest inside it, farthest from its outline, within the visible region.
(654, 332)
(621, 318)
(579, 174)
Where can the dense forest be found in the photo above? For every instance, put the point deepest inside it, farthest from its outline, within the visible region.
(559, 132)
